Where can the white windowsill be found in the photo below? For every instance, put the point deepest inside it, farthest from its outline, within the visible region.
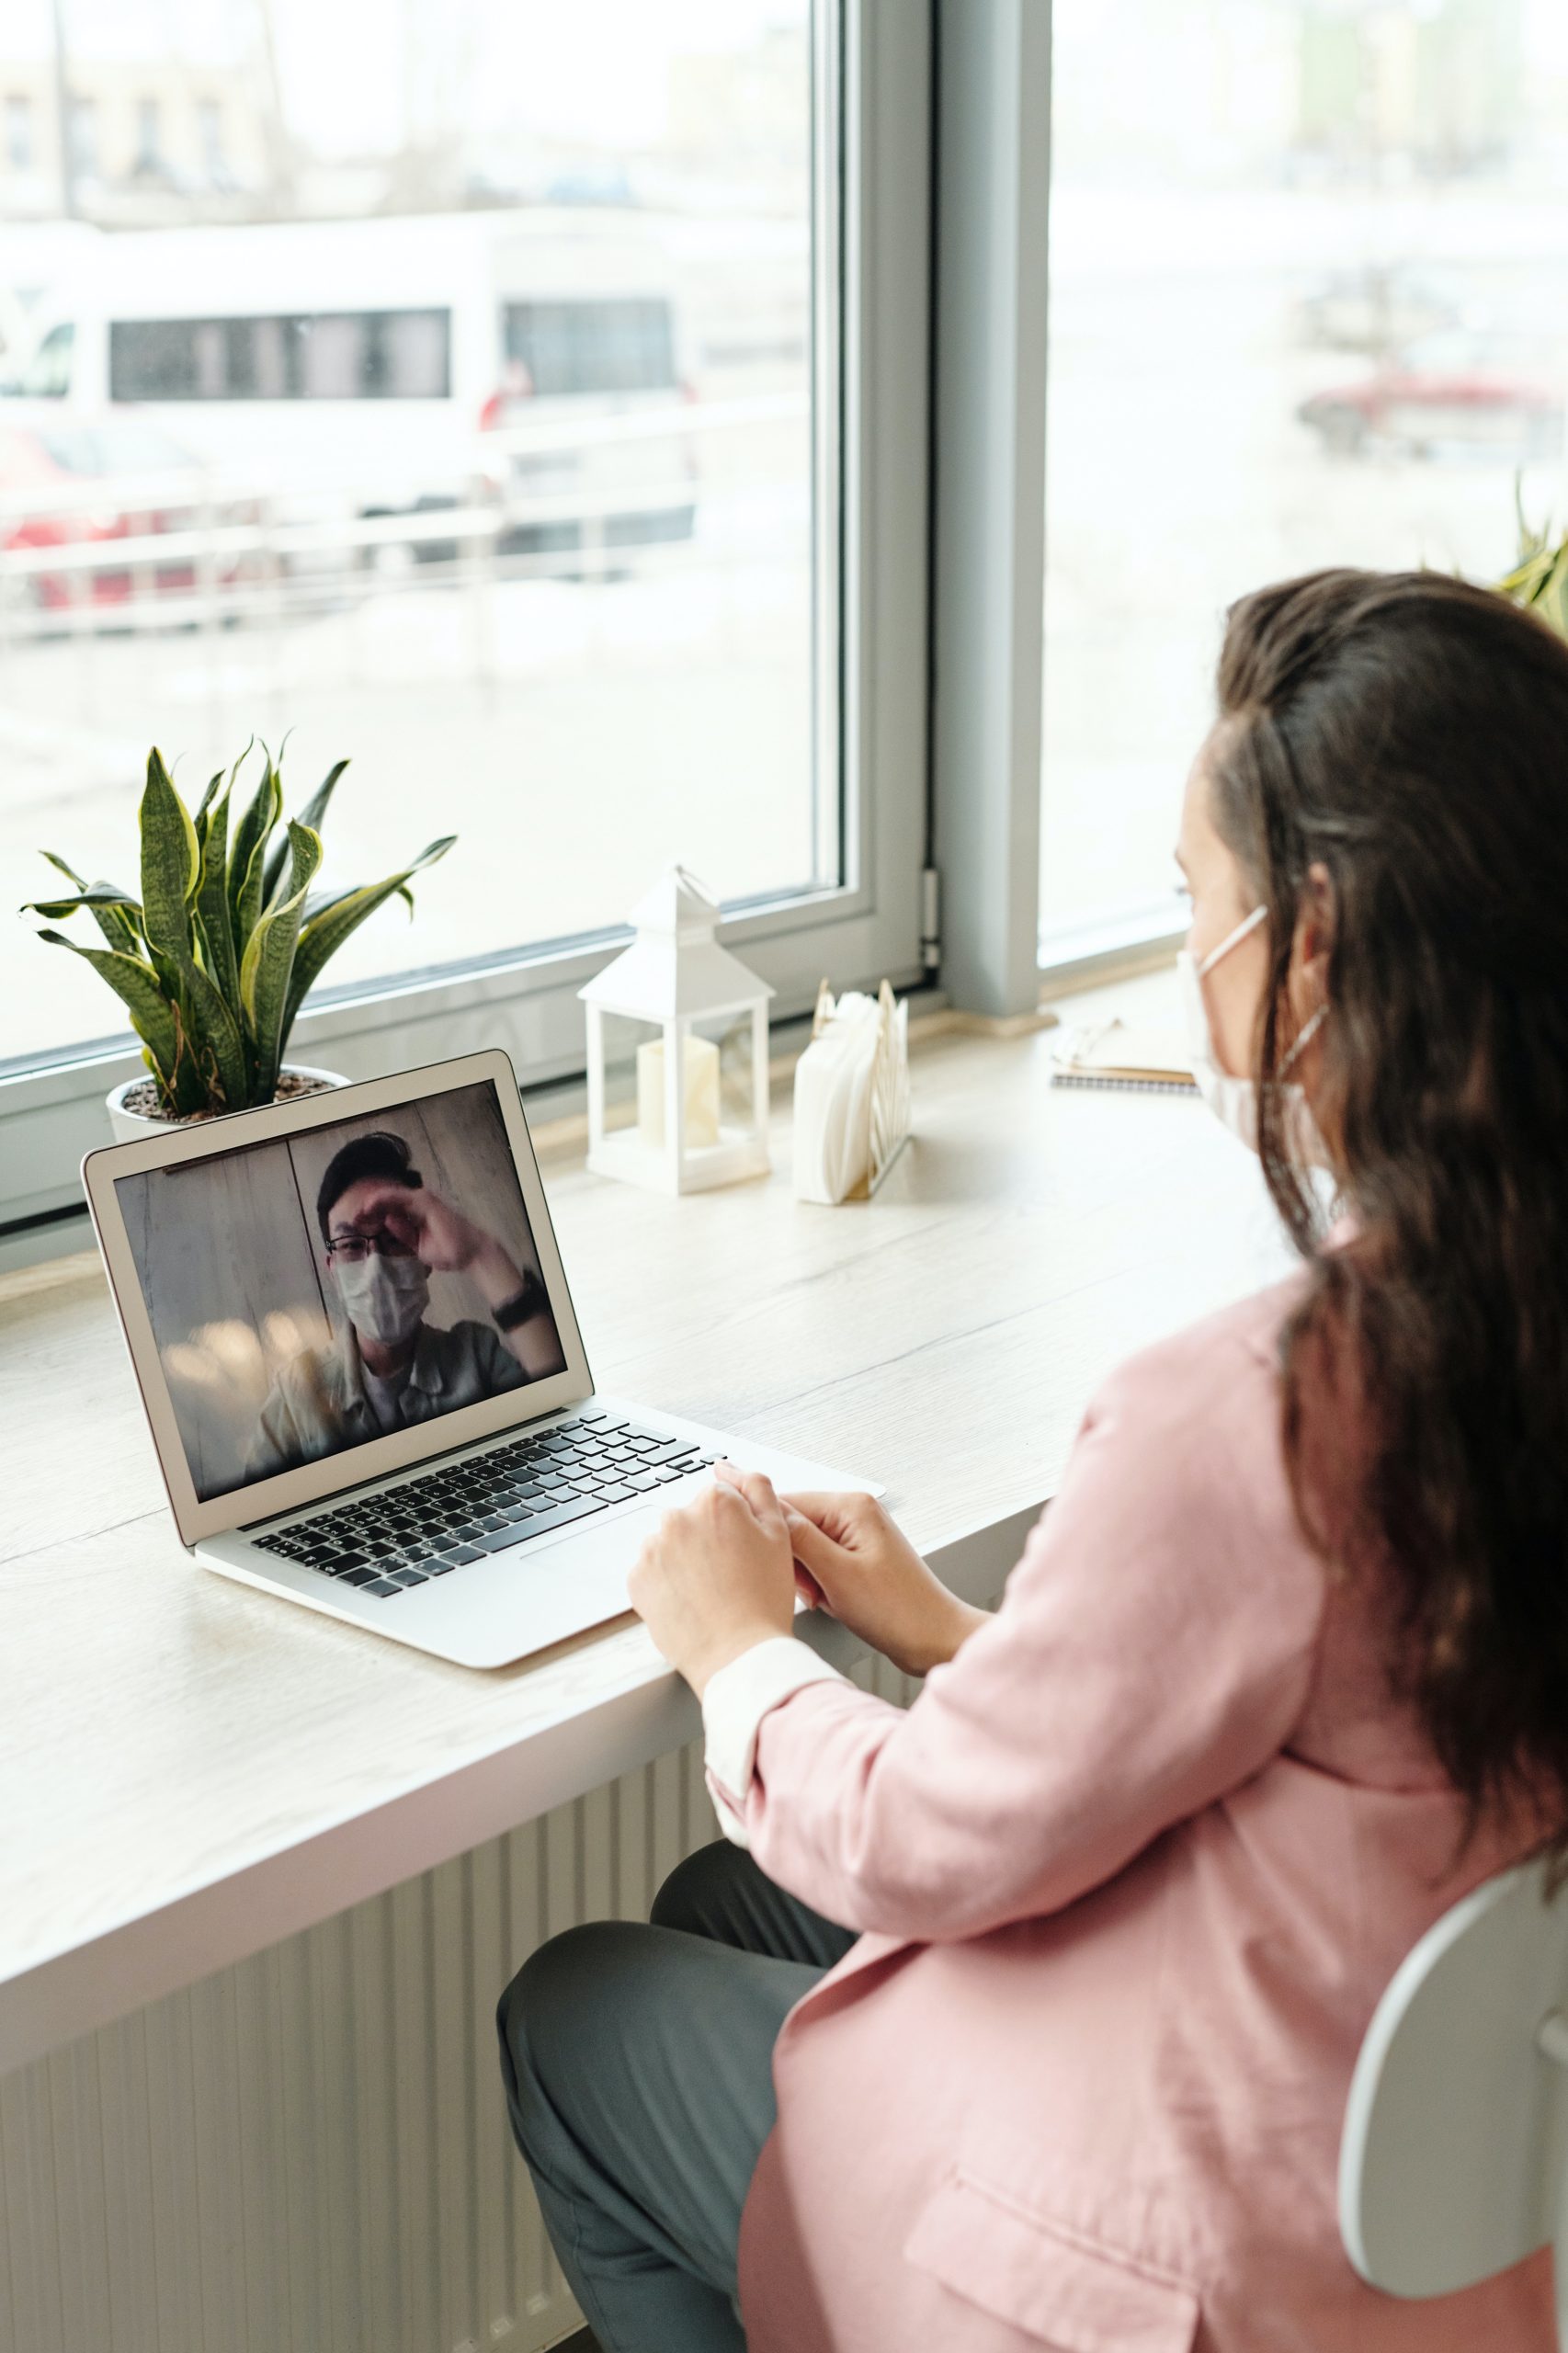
(557, 1114)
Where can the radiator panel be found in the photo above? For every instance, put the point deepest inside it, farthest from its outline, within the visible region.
(309, 2152)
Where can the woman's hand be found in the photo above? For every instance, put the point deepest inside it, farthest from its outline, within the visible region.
(716, 1577)
(855, 1560)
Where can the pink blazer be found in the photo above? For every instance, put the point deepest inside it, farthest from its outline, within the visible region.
(1131, 1875)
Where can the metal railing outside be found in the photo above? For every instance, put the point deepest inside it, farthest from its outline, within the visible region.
(227, 551)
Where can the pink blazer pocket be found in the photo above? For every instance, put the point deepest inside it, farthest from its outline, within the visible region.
(1053, 2285)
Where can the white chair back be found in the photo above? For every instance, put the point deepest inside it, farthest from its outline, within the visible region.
(1454, 2159)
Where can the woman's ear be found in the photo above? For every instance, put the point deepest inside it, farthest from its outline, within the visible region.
(1313, 942)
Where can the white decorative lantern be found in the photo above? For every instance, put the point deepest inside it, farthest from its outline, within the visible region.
(677, 1050)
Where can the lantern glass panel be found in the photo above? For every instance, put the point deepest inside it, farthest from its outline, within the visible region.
(724, 1041)
(629, 1074)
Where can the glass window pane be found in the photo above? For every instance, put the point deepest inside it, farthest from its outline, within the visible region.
(18, 132)
(593, 346)
(84, 136)
(336, 359)
(1308, 269)
(271, 377)
(411, 354)
(48, 375)
(155, 361)
(487, 355)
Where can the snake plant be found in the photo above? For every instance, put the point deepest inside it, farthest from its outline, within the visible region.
(1539, 578)
(213, 961)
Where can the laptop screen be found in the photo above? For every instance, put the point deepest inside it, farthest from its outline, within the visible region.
(324, 1289)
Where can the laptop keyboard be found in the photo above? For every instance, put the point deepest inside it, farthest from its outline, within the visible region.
(388, 1543)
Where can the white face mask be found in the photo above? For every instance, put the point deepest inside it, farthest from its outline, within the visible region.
(386, 1298)
(1232, 1100)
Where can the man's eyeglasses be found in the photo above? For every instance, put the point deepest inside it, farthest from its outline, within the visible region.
(353, 1249)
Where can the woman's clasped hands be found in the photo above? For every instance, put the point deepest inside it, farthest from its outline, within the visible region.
(721, 1573)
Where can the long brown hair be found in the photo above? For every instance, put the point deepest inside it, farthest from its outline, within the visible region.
(1409, 733)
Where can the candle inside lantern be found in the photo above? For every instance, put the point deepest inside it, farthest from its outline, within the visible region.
(700, 1070)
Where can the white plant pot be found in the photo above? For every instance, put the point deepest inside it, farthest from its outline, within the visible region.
(132, 1127)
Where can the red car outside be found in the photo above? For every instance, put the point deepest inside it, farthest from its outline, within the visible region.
(1444, 395)
(128, 459)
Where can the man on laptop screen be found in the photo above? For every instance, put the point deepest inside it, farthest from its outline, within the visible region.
(315, 1293)
(383, 1235)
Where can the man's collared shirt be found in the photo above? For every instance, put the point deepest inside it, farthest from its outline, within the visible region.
(317, 1403)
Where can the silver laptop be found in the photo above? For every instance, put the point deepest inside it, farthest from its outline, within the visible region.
(354, 1340)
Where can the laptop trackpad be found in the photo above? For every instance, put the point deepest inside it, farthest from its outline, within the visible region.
(560, 1588)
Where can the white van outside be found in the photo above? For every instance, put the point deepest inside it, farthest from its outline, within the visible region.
(392, 366)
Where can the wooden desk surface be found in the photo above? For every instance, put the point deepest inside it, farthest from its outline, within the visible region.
(190, 1768)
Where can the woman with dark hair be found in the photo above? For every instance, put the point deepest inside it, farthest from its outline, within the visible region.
(1029, 2015)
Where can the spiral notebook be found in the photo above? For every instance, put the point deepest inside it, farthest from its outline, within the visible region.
(1115, 1053)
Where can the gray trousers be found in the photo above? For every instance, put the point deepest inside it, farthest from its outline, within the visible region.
(637, 2065)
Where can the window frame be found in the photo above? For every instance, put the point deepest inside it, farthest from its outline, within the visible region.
(871, 170)
(990, 769)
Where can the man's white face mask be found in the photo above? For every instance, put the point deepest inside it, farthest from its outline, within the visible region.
(1232, 1100)
(386, 1298)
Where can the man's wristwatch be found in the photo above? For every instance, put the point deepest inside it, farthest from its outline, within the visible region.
(523, 1304)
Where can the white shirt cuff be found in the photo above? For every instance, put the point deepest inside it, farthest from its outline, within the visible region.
(734, 1702)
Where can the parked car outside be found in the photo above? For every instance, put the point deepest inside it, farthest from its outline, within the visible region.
(1450, 395)
(143, 475)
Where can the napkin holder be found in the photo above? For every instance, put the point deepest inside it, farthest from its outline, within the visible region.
(852, 1109)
